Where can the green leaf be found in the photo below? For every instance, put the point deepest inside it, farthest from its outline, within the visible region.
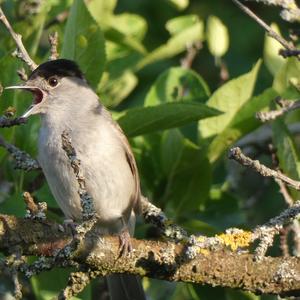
(143, 120)
(131, 25)
(287, 152)
(229, 98)
(175, 45)
(114, 90)
(272, 59)
(188, 172)
(125, 40)
(102, 10)
(243, 122)
(288, 78)
(179, 4)
(84, 42)
(178, 24)
(217, 36)
(177, 84)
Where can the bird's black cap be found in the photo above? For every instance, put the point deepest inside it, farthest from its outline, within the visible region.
(59, 67)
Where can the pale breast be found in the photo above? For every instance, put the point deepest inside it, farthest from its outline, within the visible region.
(108, 176)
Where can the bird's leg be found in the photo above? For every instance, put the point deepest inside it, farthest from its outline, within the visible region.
(125, 242)
(125, 239)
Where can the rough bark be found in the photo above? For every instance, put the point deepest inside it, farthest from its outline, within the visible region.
(156, 259)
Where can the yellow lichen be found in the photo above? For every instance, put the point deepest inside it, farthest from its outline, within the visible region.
(236, 240)
(204, 251)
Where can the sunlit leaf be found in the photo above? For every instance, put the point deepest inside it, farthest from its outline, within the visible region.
(229, 98)
(177, 84)
(217, 36)
(143, 120)
(243, 122)
(272, 59)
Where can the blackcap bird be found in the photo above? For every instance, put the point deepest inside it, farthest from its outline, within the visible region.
(65, 101)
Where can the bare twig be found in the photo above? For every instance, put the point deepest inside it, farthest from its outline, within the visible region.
(21, 51)
(191, 53)
(53, 40)
(237, 154)
(269, 30)
(23, 160)
(34, 211)
(22, 74)
(288, 53)
(286, 106)
(284, 234)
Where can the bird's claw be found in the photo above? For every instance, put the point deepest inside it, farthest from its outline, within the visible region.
(125, 243)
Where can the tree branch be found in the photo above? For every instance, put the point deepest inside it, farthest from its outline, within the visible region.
(161, 260)
(21, 51)
(287, 45)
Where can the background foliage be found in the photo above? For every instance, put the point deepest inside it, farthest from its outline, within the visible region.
(131, 53)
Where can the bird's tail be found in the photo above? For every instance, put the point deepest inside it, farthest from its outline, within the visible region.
(125, 287)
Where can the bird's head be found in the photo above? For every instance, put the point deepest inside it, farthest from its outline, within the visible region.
(52, 84)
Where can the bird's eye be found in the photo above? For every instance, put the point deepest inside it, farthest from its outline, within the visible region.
(53, 81)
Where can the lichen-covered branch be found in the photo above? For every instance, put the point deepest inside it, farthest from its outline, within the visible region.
(162, 260)
(22, 159)
(9, 122)
(267, 232)
(21, 52)
(155, 216)
(286, 106)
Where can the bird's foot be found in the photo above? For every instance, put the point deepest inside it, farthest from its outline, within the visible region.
(125, 243)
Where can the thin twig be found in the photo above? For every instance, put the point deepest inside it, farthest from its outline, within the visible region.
(290, 12)
(8, 122)
(22, 74)
(23, 160)
(288, 53)
(34, 211)
(191, 53)
(268, 29)
(53, 40)
(237, 154)
(21, 52)
(266, 232)
(286, 106)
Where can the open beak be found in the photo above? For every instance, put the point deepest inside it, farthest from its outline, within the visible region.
(38, 96)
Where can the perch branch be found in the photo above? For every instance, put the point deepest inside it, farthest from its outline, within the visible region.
(162, 260)
(21, 51)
